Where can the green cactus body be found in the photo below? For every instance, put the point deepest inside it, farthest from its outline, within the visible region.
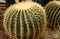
(25, 20)
(53, 13)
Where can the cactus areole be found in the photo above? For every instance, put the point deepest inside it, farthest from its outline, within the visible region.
(53, 13)
(25, 20)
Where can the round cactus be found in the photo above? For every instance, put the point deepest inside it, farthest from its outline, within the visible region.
(53, 13)
(25, 20)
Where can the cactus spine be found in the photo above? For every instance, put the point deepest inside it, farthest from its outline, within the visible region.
(25, 20)
(53, 13)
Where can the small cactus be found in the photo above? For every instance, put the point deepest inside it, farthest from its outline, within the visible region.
(53, 13)
(25, 20)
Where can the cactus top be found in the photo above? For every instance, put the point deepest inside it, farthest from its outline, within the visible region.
(25, 5)
(53, 2)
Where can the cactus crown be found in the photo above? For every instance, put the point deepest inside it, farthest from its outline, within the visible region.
(25, 5)
(25, 20)
(53, 13)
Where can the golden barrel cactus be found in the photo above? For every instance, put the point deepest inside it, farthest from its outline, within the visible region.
(25, 20)
(53, 13)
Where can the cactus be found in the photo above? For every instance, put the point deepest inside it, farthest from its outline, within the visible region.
(25, 20)
(53, 13)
